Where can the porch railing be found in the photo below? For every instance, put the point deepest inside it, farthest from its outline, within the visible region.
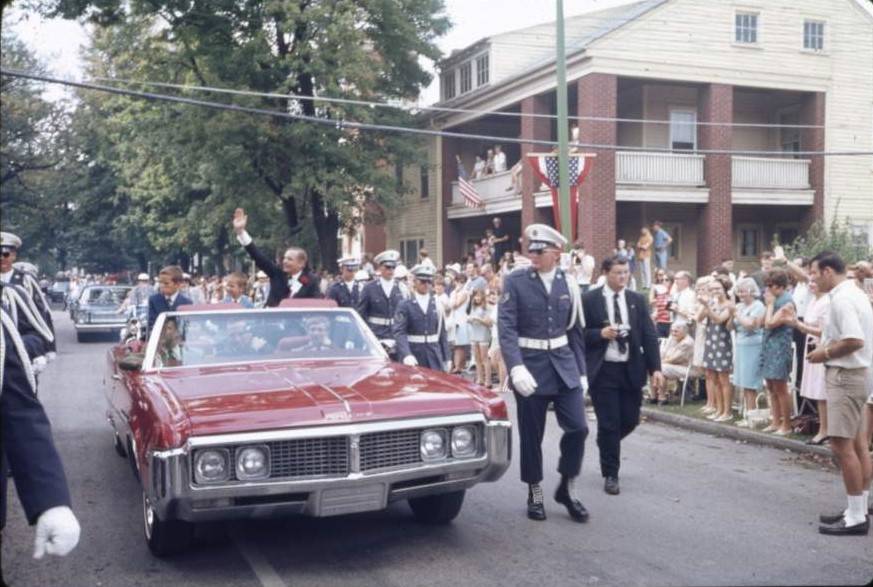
(647, 168)
(769, 173)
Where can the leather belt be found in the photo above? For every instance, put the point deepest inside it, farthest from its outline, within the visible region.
(423, 338)
(380, 321)
(543, 344)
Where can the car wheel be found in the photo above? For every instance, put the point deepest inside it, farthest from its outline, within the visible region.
(437, 509)
(165, 537)
(119, 447)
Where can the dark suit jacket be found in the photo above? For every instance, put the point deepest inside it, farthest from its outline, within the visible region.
(644, 357)
(158, 305)
(26, 443)
(279, 289)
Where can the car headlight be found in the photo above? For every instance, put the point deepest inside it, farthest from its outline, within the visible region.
(464, 443)
(252, 462)
(433, 445)
(212, 465)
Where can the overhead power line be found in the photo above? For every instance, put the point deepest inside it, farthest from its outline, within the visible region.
(377, 104)
(341, 123)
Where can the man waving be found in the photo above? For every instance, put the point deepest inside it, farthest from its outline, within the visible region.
(292, 280)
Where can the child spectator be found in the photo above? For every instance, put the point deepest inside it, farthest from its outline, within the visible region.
(235, 290)
(479, 322)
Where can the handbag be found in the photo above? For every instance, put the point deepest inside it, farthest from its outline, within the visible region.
(758, 416)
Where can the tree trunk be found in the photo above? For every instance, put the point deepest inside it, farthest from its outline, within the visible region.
(292, 219)
(326, 226)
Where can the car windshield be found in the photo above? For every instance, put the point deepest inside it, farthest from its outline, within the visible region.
(105, 295)
(230, 337)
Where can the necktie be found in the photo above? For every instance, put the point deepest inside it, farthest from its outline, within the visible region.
(616, 310)
(169, 302)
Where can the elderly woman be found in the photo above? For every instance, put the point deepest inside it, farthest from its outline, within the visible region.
(676, 355)
(748, 322)
(776, 352)
(718, 350)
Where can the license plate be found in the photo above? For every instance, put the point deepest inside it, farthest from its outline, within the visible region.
(351, 500)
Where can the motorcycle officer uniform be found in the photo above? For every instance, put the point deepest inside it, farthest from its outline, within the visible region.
(418, 327)
(540, 325)
(380, 299)
(346, 294)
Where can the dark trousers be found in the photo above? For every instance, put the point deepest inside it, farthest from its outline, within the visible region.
(570, 411)
(617, 405)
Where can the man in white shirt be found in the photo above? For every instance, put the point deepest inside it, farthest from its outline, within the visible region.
(684, 299)
(846, 350)
(582, 265)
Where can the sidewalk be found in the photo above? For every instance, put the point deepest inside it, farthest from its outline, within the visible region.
(673, 415)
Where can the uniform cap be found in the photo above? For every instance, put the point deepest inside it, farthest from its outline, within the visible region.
(142, 277)
(541, 236)
(401, 272)
(9, 241)
(362, 275)
(454, 268)
(349, 262)
(423, 271)
(389, 258)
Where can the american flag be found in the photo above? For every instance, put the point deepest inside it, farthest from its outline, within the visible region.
(545, 166)
(472, 199)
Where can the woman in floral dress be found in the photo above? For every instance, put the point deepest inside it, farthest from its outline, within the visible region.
(776, 352)
(718, 358)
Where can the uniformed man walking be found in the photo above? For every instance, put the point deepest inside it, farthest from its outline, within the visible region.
(540, 322)
(345, 291)
(418, 326)
(9, 246)
(380, 299)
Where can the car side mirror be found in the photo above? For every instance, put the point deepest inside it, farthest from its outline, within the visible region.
(131, 362)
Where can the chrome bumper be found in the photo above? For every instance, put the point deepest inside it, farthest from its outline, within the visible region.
(170, 487)
(99, 327)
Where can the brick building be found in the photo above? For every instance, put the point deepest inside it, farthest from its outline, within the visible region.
(662, 80)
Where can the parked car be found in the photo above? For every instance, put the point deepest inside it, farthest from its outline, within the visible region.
(96, 310)
(58, 291)
(230, 413)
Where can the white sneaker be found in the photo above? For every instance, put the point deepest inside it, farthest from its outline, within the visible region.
(743, 423)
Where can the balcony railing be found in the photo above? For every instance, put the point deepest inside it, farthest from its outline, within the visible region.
(652, 168)
(490, 187)
(769, 173)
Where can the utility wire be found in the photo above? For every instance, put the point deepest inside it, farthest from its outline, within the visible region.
(374, 104)
(340, 123)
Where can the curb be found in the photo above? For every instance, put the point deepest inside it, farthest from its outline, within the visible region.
(715, 429)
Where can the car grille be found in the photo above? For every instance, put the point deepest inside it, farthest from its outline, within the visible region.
(310, 457)
(380, 450)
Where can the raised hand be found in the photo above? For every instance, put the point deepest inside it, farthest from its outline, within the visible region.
(240, 219)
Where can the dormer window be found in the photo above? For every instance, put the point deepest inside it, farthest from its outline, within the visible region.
(448, 84)
(746, 28)
(482, 74)
(466, 70)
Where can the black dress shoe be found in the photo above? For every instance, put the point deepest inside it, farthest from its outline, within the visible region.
(840, 528)
(574, 507)
(535, 508)
(610, 485)
(830, 518)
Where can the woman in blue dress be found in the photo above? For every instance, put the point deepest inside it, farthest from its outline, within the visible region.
(748, 323)
(776, 351)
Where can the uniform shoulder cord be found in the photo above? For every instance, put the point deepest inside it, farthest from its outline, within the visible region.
(576, 294)
(9, 326)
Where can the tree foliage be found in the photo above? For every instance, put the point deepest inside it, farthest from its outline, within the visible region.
(181, 169)
(837, 236)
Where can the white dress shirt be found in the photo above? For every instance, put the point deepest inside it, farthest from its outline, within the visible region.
(387, 286)
(613, 355)
(423, 300)
(7, 277)
(850, 316)
(172, 299)
(294, 283)
(548, 278)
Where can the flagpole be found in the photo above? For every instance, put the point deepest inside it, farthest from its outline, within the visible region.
(563, 128)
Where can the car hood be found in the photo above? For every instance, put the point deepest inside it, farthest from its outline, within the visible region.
(265, 396)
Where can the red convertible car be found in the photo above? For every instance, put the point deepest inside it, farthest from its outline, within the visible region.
(232, 413)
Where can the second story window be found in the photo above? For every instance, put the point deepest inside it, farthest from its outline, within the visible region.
(746, 27)
(448, 84)
(482, 70)
(424, 188)
(813, 35)
(466, 77)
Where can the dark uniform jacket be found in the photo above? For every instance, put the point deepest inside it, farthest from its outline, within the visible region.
(344, 298)
(279, 288)
(26, 446)
(410, 320)
(527, 310)
(643, 350)
(158, 305)
(31, 286)
(37, 339)
(374, 304)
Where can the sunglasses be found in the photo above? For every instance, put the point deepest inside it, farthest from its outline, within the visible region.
(7, 254)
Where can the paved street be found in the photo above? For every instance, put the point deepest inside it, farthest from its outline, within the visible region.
(694, 510)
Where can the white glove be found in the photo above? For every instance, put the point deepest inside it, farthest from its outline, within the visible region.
(523, 381)
(448, 366)
(57, 532)
(410, 361)
(51, 356)
(38, 364)
(583, 383)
